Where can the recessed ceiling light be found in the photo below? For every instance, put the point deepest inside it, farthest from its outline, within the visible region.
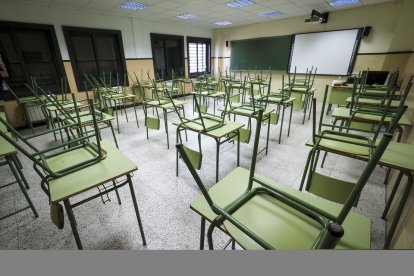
(223, 23)
(187, 16)
(271, 14)
(130, 5)
(337, 3)
(240, 3)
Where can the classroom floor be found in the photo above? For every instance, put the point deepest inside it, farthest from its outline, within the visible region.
(163, 198)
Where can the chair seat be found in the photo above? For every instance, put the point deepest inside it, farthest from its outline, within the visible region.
(280, 225)
(115, 164)
(344, 147)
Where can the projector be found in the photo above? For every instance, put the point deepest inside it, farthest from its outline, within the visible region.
(317, 18)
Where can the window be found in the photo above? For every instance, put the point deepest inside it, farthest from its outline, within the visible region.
(96, 52)
(168, 55)
(199, 50)
(30, 51)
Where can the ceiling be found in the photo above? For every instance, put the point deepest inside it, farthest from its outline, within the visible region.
(208, 11)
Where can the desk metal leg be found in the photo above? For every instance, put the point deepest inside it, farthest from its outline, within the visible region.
(217, 158)
(281, 122)
(202, 233)
(290, 118)
(238, 147)
(166, 126)
(73, 223)
(328, 109)
(268, 131)
(400, 208)
(134, 200)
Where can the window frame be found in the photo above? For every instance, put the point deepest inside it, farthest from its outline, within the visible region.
(180, 39)
(68, 30)
(192, 39)
(56, 56)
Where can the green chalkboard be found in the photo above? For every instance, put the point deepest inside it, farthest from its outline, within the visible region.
(260, 53)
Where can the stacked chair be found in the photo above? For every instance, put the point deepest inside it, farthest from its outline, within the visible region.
(112, 97)
(259, 213)
(78, 164)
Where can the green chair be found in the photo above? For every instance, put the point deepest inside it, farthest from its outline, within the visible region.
(112, 97)
(340, 141)
(8, 156)
(204, 122)
(282, 99)
(261, 214)
(73, 167)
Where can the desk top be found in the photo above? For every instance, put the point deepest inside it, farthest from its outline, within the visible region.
(220, 132)
(274, 99)
(246, 111)
(86, 117)
(65, 106)
(368, 101)
(294, 233)
(115, 165)
(343, 113)
(167, 105)
(5, 147)
(397, 155)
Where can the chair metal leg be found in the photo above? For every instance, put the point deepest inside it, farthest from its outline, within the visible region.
(391, 198)
(400, 208)
(73, 223)
(19, 168)
(113, 133)
(202, 233)
(134, 200)
(14, 170)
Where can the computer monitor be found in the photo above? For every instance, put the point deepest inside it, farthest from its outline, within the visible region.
(377, 77)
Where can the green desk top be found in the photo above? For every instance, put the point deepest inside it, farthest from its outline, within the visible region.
(274, 99)
(220, 132)
(115, 165)
(86, 117)
(167, 105)
(368, 101)
(399, 156)
(246, 111)
(274, 221)
(65, 106)
(6, 148)
(343, 113)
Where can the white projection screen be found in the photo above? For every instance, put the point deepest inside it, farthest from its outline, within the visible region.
(332, 52)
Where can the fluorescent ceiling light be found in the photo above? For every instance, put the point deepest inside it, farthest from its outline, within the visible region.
(187, 16)
(271, 14)
(223, 23)
(240, 3)
(338, 3)
(130, 5)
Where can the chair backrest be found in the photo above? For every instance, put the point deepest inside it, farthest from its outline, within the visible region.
(322, 217)
(39, 156)
(383, 112)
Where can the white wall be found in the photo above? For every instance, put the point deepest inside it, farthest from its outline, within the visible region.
(135, 32)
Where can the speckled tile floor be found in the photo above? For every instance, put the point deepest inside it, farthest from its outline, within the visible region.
(163, 198)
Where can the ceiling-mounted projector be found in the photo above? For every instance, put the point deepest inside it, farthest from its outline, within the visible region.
(317, 18)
